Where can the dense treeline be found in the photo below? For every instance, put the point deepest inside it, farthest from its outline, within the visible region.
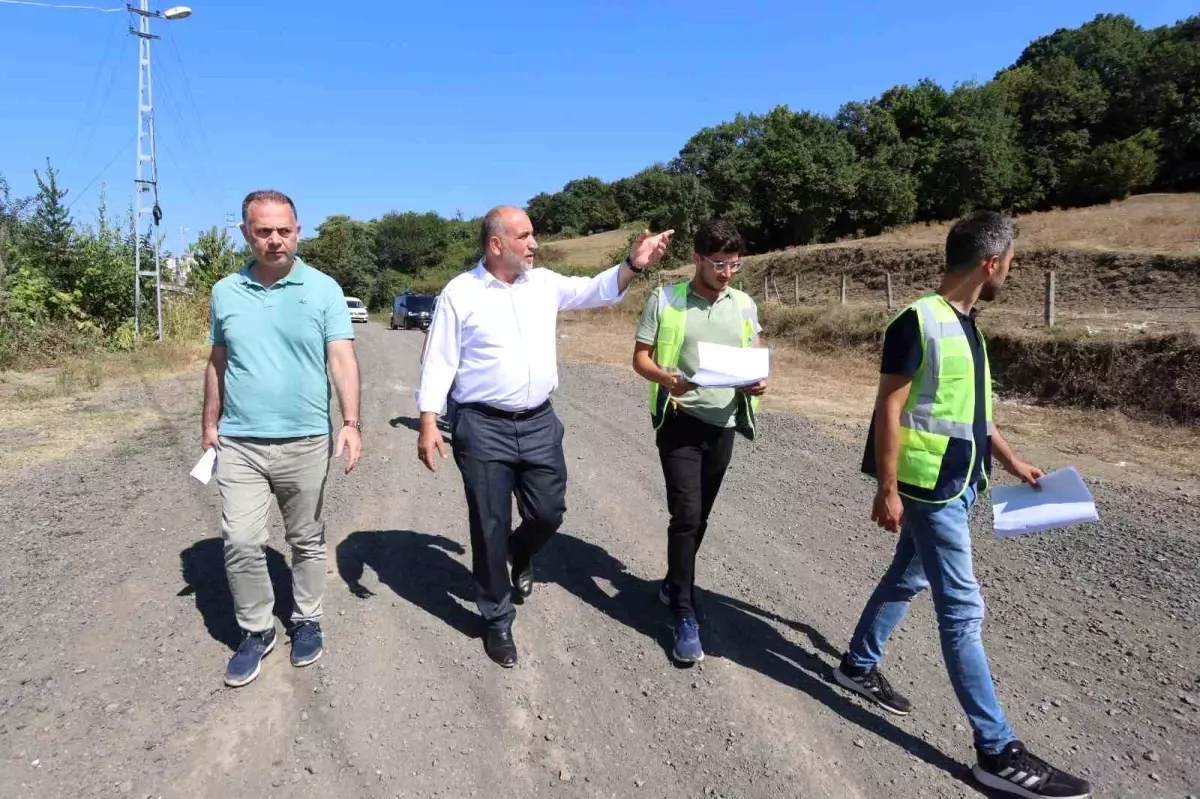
(377, 260)
(1084, 116)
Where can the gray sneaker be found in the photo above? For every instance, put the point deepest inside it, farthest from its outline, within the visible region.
(247, 660)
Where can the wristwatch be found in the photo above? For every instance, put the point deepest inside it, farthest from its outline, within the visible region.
(357, 425)
(632, 268)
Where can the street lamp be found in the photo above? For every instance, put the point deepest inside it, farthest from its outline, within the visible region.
(146, 155)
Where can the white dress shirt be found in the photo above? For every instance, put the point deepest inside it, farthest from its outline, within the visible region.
(496, 343)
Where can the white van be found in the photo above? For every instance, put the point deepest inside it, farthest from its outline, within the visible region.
(358, 311)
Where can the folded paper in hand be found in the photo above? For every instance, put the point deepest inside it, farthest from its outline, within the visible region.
(730, 367)
(206, 467)
(1062, 501)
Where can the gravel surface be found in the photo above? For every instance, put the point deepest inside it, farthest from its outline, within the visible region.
(118, 623)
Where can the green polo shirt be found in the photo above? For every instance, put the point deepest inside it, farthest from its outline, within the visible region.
(276, 385)
(715, 322)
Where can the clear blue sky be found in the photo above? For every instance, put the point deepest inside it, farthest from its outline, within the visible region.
(370, 107)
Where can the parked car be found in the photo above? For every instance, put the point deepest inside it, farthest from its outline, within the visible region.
(412, 310)
(358, 311)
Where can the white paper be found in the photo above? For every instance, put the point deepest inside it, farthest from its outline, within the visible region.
(1063, 500)
(206, 467)
(730, 367)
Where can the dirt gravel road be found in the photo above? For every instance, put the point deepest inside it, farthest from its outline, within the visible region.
(117, 623)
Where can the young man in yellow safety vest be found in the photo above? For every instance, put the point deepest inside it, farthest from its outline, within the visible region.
(930, 448)
(695, 426)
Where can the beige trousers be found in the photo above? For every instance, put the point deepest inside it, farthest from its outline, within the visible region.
(249, 470)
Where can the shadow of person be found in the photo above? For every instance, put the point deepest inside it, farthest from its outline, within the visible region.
(733, 629)
(416, 566)
(414, 424)
(202, 566)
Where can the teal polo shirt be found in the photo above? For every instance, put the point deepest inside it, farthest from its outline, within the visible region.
(276, 385)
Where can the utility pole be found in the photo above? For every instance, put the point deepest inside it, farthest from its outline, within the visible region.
(231, 222)
(146, 181)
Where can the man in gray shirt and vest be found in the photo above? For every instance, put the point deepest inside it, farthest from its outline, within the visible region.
(695, 426)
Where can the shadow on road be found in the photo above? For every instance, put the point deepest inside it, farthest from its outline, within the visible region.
(203, 568)
(418, 567)
(734, 629)
(414, 424)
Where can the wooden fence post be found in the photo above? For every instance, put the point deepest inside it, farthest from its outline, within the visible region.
(766, 291)
(1051, 281)
(845, 283)
(889, 291)
(797, 292)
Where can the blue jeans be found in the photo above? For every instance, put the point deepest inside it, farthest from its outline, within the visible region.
(934, 551)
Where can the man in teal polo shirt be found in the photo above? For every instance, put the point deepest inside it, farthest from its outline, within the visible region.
(277, 326)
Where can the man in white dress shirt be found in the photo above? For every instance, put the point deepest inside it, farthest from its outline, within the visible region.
(493, 337)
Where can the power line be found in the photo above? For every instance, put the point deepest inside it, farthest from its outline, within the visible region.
(112, 161)
(55, 5)
(205, 149)
(94, 117)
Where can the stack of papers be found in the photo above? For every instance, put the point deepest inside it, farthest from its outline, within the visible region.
(206, 467)
(730, 367)
(1062, 501)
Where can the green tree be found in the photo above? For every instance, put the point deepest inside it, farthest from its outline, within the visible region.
(805, 175)
(344, 249)
(49, 232)
(214, 256)
(1058, 103)
(720, 159)
(1170, 98)
(1113, 170)
(922, 115)
(980, 163)
(886, 189)
(410, 242)
(552, 214)
(1115, 49)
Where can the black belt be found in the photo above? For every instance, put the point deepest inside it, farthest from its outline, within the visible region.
(498, 413)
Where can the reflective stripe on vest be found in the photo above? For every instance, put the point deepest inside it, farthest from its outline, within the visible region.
(941, 407)
(672, 327)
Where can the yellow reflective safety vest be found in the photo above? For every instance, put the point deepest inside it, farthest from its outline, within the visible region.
(937, 424)
(668, 343)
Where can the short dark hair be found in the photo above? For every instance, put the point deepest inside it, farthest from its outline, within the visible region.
(718, 235)
(977, 237)
(265, 195)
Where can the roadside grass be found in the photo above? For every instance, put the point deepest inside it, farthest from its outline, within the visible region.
(53, 412)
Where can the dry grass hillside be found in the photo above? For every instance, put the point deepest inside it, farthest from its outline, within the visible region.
(1128, 302)
(1162, 224)
(586, 252)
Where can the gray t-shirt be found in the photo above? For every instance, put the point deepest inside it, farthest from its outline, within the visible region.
(717, 322)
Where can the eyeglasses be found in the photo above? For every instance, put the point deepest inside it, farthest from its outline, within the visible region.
(721, 266)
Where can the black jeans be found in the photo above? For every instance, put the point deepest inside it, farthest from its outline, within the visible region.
(499, 458)
(694, 457)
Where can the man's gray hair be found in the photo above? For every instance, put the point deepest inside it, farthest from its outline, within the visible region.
(977, 237)
(266, 195)
(493, 225)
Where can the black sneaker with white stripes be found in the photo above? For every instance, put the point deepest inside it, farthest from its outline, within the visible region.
(873, 685)
(1018, 772)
